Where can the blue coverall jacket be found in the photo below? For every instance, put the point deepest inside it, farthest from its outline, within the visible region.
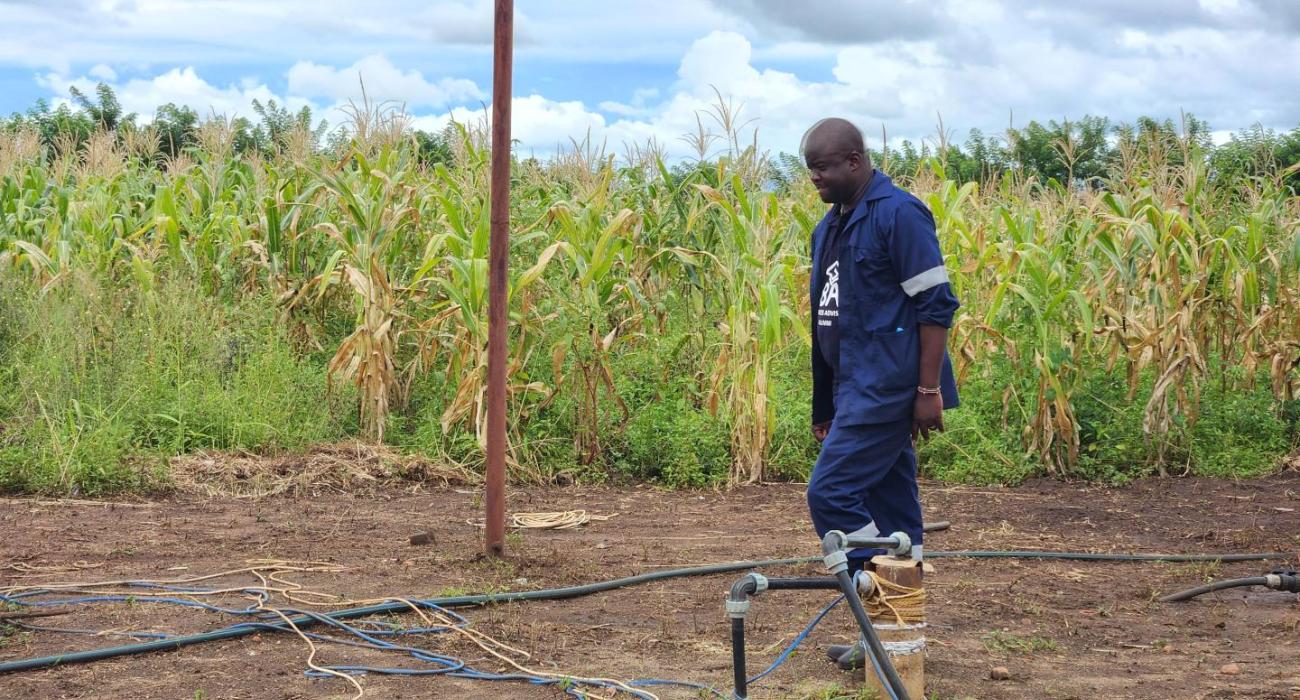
(892, 279)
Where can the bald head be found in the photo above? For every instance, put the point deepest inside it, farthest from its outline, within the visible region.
(832, 134)
(837, 159)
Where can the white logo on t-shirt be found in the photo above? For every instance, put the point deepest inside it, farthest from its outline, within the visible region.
(830, 301)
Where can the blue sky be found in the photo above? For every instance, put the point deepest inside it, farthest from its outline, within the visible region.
(631, 71)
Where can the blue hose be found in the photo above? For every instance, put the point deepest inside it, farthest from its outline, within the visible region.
(334, 619)
(798, 639)
(385, 608)
(369, 638)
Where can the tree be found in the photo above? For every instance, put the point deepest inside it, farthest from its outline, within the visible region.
(278, 123)
(177, 128)
(988, 154)
(788, 170)
(106, 112)
(58, 127)
(1162, 140)
(906, 160)
(433, 148)
(1066, 151)
(1257, 152)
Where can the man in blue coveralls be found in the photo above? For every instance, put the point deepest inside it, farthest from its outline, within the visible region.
(882, 307)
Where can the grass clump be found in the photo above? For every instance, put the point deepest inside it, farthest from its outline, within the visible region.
(102, 386)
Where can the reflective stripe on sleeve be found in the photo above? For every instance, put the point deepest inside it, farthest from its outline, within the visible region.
(932, 277)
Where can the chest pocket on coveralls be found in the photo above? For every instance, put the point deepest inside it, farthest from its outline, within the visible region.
(872, 271)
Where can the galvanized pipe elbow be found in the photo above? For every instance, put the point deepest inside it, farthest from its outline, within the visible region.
(834, 556)
(741, 590)
(834, 541)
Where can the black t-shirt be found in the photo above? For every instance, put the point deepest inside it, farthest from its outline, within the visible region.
(828, 292)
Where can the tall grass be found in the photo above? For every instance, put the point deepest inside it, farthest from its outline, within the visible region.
(103, 384)
(1148, 325)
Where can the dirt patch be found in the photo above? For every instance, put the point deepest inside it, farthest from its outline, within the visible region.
(346, 467)
(1061, 629)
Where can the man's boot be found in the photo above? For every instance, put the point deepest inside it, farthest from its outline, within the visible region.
(848, 656)
(851, 656)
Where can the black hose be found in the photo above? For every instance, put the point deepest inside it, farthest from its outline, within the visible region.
(886, 668)
(235, 631)
(741, 591)
(1097, 556)
(803, 583)
(1216, 586)
(738, 657)
(1283, 583)
(573, 592)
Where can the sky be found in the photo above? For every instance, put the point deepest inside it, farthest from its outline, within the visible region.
(625, 71)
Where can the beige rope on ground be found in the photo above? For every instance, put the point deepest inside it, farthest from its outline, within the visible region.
(73, 502)
(311, 654)
(555, 521)
(884, 599)
(34, 570)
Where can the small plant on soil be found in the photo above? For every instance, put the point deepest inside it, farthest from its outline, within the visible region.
(835, 691)
(12, 635)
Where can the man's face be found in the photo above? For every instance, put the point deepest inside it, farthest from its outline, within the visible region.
(835, 174)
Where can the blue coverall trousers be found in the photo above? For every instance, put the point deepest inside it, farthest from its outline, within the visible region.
(865, 483)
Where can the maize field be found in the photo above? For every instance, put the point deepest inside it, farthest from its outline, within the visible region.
(1147, 323)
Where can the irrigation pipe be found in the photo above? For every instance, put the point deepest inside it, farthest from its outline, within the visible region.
(1101, 556)
(571, 592)
(391, 607)
(1277, 582)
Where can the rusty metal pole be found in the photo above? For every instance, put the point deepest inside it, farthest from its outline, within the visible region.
(498, 275)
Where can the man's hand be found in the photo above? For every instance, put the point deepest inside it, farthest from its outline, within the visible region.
(927, 415)
(821, 430)
(927, 412)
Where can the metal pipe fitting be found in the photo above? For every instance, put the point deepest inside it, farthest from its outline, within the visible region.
(834, 541)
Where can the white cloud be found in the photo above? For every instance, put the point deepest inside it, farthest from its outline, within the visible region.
(646, 70)
(622, 110)
(1287, 12)
(451, 36)
(906, 86)
(462, 22)
(182, 86)
(470, 22)
(383, 82)
(840, 21)
(638, 107)
(103, 72)
(779, 104)
(540, 125)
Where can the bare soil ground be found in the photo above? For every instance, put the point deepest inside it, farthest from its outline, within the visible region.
(1063, 629)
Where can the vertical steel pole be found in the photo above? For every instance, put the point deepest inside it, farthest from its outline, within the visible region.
(498, 271)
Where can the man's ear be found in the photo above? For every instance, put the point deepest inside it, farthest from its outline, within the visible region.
(855, 161)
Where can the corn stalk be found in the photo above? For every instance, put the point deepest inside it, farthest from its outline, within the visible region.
(750, 283)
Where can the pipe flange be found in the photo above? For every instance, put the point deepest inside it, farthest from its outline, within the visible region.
(1273, 581)
(836, 562)
(737, 609)
(911, 646)
(904, 544)
(760, 583)
(865, 583)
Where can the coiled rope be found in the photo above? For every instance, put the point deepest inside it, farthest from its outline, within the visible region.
(555, 521)
(883, 599)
